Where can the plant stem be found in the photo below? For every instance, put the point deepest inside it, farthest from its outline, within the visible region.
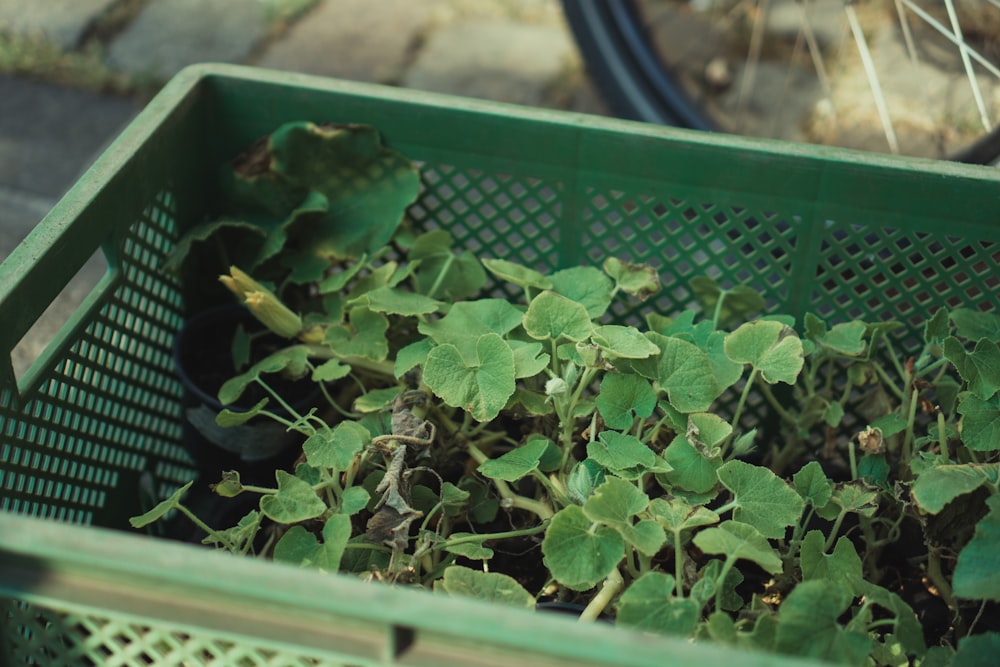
(907, 454)
(479, 538)
(441, 274)
(612, 584)
(831, 538)
(678, 565)
(511, 499)
(263, 490)
(204, 526)
(888, 381)
(940, 582)
(852, 457)
(743, 398)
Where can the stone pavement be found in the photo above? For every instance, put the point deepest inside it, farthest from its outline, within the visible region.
(63, 56)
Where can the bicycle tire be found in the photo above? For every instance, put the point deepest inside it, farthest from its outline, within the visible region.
(625, 67)
(631, 77)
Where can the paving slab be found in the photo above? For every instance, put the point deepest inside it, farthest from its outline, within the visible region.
(50, 134)
(346, 39)
(500, 60)
(169, 35)
(63, 22)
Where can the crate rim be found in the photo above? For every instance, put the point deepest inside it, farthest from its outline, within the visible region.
(68, 563)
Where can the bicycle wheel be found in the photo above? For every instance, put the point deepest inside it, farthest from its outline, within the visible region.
(917, 77)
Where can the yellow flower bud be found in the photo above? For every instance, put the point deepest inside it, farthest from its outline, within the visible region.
(264, 305)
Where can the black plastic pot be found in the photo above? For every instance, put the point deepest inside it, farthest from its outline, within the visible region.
(203, 359)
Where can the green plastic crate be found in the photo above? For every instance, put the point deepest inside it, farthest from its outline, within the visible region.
(97, 416)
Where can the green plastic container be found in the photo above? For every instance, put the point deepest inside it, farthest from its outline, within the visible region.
(96, 419)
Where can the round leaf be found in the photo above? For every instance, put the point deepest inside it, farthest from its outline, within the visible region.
(587, 285)
(622, 454)
(683, 371)
(578, 553)
(648, 604)
(770, 347)
(481, 387)
(516, 463)
(624, 397)
(295, 501)
(553, 316)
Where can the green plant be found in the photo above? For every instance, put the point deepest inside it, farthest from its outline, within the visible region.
(717, 475)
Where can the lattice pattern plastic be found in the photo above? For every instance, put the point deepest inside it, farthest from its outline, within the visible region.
(95, 423)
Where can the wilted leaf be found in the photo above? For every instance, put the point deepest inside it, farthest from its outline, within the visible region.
(640, 280)
(161, 509)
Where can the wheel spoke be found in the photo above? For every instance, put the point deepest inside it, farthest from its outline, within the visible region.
(873, 83)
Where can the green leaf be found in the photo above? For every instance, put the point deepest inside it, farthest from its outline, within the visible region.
(583, 478)
(551, 316)
(336, 448)
(939, 485)
(367, 185)
(978, 650)
(227, 417)
(977, 576)
(291, 360)
(353, 500)
(614, 504)
(937, 328)
(587, 285)
(330, 370)
(363, 337)
(411, 356)
(705, 430)
(393, 301)
(529, 360)
(470, 550)
(623, 398)
(452, 276)
(517, 274)
(771, 348)
(974, 325)
(623, 342)
(846, 338)
(301, 547)
(295, 501)
(466, 321)
(813, 485)
(622, 454)
(481, 387)
(980, 368)
(692, 470)
(808, 625)
(648, 604)
(161, 509)
(640, 280)
(677, 515)
(516, 463)
(842, 568)
(857, 497)
(376, 400)
(578, 552)
(738, 303)
(762, 499)
(739, 541)
(683, 371)
(980, 425)
(489, 586)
